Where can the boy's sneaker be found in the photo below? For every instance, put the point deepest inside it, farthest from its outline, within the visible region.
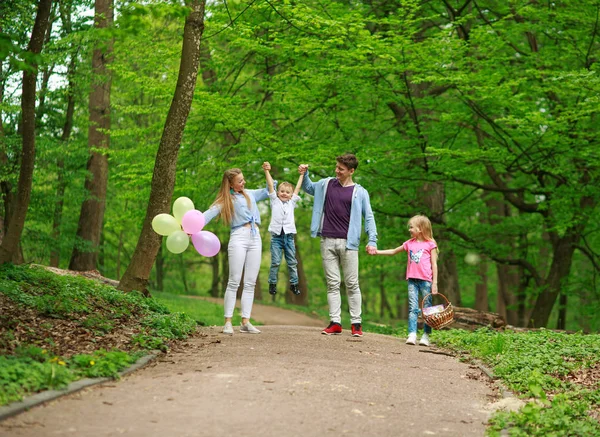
(228, 328)
(412, 338)
(424, 340)
(295, 289)
(333, 328)
(248, 329)
(273, 289)
(357, 330)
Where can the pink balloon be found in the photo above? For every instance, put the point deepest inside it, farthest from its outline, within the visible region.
(206, 243)
(193, 221)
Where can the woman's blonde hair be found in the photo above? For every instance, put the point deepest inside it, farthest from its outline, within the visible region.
(224, 197)
(424, 225)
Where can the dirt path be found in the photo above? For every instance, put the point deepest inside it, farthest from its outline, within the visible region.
(287, 381)
(271, 315)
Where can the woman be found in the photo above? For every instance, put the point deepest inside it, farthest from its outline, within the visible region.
(237, 207)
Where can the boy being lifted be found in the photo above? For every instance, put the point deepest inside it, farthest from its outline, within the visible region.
(283, 229)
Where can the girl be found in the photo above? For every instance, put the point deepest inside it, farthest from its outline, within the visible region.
(421, 272)
(237, 207)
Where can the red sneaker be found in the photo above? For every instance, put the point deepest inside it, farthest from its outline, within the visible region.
(333, 328)
(357, 330)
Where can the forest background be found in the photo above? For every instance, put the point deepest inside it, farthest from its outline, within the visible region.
(483, 115)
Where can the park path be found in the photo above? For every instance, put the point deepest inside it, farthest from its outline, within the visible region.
(288, 381)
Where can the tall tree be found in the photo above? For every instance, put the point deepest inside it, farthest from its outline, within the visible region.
(163, 179)
(10, 242)
(65, 9)
(89, 229)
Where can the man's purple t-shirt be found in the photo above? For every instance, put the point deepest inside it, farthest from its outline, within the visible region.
(338, 201)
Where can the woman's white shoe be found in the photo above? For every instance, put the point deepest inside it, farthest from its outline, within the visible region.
(248, 329)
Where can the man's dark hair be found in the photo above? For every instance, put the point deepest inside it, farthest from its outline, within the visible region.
(349, 160)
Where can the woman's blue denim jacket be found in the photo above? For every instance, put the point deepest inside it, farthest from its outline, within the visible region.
(241, 213)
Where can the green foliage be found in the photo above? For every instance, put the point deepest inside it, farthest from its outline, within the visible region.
(519, 358)
(567, 414)
(102, 363)
(536, 365)
(21, 375)
(28, 367)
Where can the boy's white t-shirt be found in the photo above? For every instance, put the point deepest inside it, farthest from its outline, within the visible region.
(282, 214)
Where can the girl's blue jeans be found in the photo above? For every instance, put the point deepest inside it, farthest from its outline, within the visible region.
(417, 289)
(283, 243)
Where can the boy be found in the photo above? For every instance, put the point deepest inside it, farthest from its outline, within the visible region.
(283, 229)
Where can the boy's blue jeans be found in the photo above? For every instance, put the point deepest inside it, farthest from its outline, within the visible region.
(283, 243)
(417, 289)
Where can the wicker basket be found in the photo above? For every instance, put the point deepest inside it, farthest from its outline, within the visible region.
(440, 319)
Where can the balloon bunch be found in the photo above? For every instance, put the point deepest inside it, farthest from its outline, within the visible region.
(185, 222)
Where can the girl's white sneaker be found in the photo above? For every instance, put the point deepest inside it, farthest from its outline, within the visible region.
(412, 338)
(424, 340)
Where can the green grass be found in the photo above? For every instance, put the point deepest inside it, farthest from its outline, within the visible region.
(205, 313)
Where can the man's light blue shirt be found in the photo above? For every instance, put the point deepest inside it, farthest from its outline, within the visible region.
(361, 208)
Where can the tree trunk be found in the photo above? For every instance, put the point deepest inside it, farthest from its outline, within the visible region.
(402, 299)
(481, 287)
(9, 249)
(163, 179)
(160, 269)
(470, 319)
(65, 15)
(183, 273)
(224, 265)
(214, 286)
(559, 271)
(508, 276)
(119, 253)
(434, 199)
(87, 240)
(384, 304)
(561, 323)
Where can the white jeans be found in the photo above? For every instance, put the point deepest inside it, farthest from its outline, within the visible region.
(336, 255)
(245, 251)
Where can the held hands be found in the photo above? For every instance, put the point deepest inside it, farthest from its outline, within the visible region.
(371, 250)
(302, 168)
(266, 166)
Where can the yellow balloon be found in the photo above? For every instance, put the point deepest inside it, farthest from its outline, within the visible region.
(181, 206)
(178, 241)
(165, 224)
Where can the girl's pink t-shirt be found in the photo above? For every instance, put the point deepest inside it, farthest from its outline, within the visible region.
(419, 259)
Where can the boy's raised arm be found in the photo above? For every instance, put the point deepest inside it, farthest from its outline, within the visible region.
(267, 167)
(299, 184)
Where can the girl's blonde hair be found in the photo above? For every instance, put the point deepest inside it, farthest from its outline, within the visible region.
(424, 225)
(224, 197)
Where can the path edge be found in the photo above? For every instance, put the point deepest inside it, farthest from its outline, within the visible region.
(29, 402)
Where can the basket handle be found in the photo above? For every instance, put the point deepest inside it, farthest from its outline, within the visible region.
(430, 294)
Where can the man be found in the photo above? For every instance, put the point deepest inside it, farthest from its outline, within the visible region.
(339, 207)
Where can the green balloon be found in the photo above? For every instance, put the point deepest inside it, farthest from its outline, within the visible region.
(178, 241)
(181, 206)
(165, 224)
